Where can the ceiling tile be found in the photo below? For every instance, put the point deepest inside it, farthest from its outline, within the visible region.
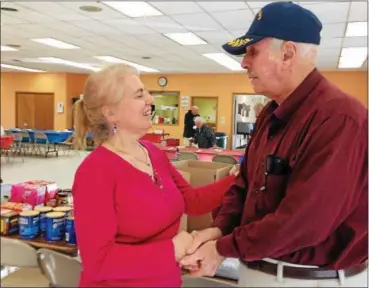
(222, 6)
(8, 20)
(358, 11)
(329, 12)
(161, 24)
(197, 22)
(257, 4)
(333, 30)
(174, 8)
(215, 37)
(329, 52)
(96, 27)
(129, 26)
(70, 29)
(232, 20)
(327, 42)
(205, 49)
(158, 41)
(355, 42)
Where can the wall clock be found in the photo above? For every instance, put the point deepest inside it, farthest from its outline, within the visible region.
(162, 81)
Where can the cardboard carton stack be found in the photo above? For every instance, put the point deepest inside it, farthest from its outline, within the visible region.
(200, 173)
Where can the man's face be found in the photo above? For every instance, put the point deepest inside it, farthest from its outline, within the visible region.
(263, 65)
(199, 124)
(194, 111)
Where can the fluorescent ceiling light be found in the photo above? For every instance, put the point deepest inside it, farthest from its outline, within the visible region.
(187, 38)
(55, 43)
(139, 67)
(357, 29)
(353, 57)
(133, 9)
(54, 60)
(20, 68)
(224, 60)
(6, 48)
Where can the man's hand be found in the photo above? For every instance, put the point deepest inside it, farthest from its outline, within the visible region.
(204, 262)
(200, 237)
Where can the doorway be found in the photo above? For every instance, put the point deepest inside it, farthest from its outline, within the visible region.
(208, 109)
(35, 110)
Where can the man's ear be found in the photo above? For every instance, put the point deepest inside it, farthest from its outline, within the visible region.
(289, 55)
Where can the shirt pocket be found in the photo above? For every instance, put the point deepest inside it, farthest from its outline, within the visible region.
(275, 190)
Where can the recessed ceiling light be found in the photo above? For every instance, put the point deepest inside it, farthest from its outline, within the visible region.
(55, 43)
(9, 9)
(186, 39)
(353, 57)
(133, 9)
(7, 48)
(88, 8)
(20, 68)
(224, 60)
(112, 59)
(54, 60)
(357, 29)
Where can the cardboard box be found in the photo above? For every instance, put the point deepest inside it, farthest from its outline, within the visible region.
(202, 173)
(183, 224)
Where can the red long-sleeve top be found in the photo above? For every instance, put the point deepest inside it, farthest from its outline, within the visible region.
(317, 212)
(125, 222)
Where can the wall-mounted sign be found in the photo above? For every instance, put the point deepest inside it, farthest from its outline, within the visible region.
(60, 107)
(185, 101)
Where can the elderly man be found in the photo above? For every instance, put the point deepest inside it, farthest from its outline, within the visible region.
(189, 125)
(204, 136)
(297, 214)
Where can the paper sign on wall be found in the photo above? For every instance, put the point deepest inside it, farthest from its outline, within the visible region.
(60, 107)
(185, 101)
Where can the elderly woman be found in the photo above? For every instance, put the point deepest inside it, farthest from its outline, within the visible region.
(128, 198)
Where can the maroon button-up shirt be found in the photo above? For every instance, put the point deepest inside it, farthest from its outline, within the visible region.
(316, 212)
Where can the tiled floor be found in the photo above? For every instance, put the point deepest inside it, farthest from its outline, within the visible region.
(60, 169)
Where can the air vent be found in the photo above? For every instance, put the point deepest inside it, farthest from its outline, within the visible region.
(92, 9)
(13, 45)
(9, 9)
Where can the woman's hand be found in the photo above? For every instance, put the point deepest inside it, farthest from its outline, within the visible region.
(235, 170)
(182, 242)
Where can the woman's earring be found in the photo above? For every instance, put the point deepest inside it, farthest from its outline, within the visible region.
(114, 128)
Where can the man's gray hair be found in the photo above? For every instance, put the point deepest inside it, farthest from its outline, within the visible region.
(199, 119)
(304, 50)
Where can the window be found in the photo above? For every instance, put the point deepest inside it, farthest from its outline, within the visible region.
(165, 108)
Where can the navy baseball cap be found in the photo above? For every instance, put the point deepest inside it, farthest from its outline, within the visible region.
(283, 20)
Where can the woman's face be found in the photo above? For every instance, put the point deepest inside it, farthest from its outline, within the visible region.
(133, 112)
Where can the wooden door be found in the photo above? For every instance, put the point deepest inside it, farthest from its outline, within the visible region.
(25, 110)
(44, 111)
(35, 110)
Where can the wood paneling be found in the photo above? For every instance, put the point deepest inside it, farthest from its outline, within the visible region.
(35, 110)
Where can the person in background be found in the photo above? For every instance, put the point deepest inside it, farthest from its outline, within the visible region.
(189, 125)
(297, 214)
(128, 198)
(204, 136)
(258, 107)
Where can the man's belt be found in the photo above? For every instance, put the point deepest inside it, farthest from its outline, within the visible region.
(305, 273)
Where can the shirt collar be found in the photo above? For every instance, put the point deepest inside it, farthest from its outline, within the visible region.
(285, 110)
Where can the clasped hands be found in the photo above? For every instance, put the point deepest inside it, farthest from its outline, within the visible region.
(197, 253)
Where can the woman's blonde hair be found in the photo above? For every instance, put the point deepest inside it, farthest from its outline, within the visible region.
(105, 87)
